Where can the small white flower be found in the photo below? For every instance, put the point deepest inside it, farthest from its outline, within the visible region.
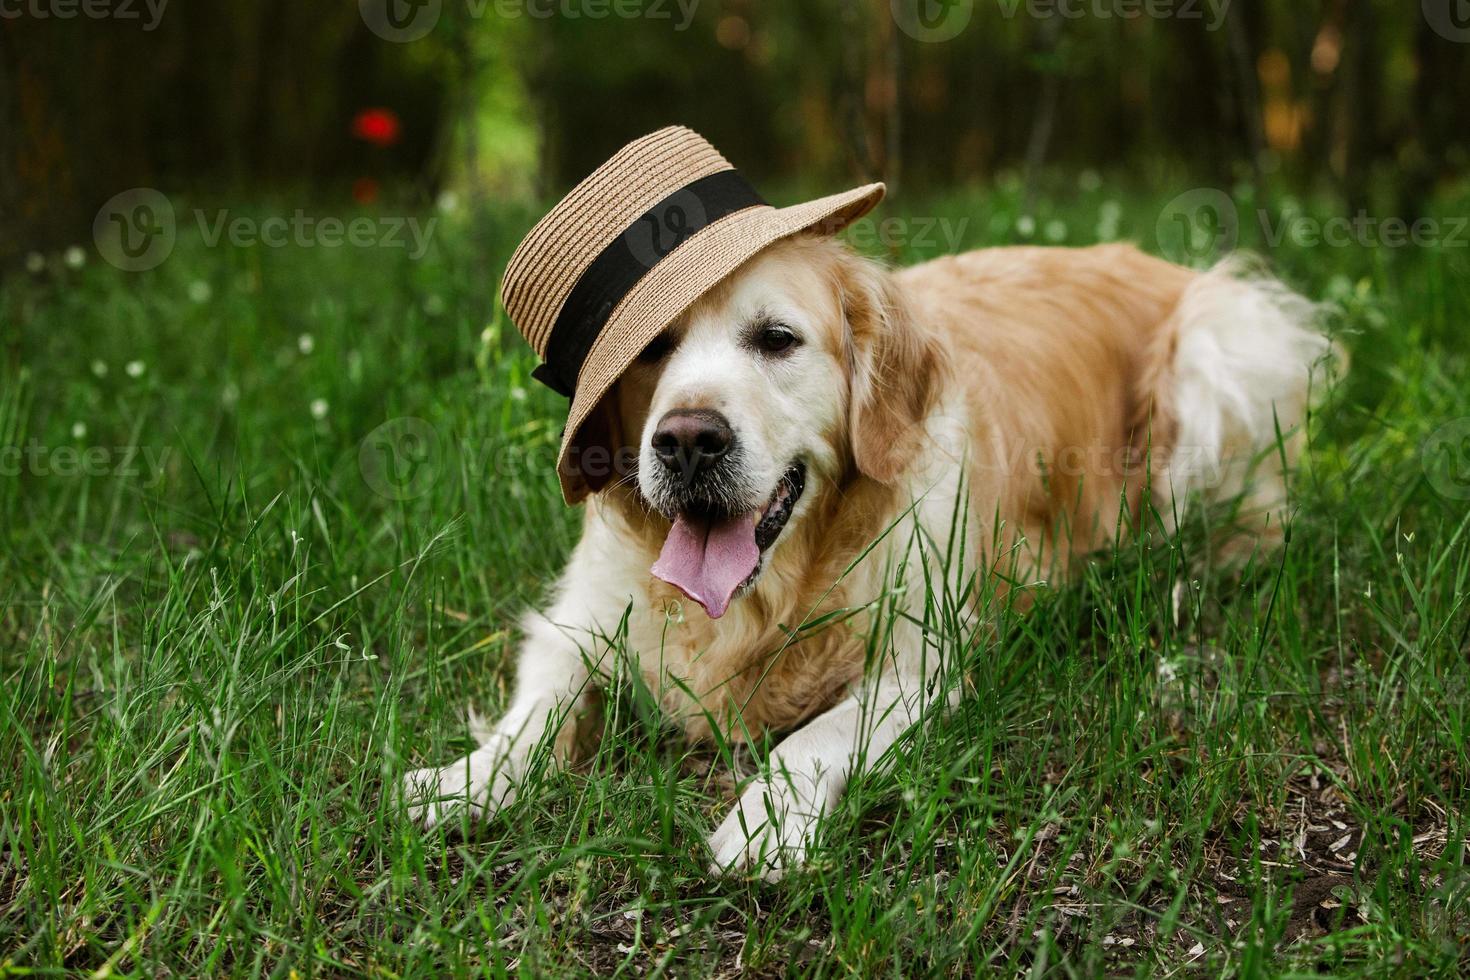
(306, 343)
(1339, 288)
(99, 368)
(518, 394)
(74, 257)
(319, 408)
(135, 369)
(79, 430)
(35, 263)
(1026, 225)
(448, 202)
(200, 291)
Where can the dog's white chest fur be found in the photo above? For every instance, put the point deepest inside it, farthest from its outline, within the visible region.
(974, 423)
(748, 671)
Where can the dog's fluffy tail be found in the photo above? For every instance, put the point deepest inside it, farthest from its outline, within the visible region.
(1247, 355)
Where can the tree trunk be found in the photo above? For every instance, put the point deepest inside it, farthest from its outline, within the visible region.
(852, 99)
(1043, 121)
(1357, 115)
(1244, 52)
(893, 85)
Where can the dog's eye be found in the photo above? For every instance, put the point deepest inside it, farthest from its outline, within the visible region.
(773, 338)
(657, 350)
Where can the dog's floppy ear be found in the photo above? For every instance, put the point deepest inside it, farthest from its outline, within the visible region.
(892, 370)
(598, 455)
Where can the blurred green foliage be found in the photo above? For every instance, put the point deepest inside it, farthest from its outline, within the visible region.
(517, 98)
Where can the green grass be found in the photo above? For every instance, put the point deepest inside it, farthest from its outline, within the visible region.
(214, 669)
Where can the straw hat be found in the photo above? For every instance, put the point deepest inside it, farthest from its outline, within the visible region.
(623, 255)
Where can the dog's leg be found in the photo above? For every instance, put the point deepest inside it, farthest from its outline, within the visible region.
(775, 821)
(773, 825)
(558, 670)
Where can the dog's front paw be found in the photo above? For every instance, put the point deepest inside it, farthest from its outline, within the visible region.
(768, 833)
(477, 785)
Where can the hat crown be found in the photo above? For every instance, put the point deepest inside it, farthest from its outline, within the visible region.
(626, 253)
(548, 262)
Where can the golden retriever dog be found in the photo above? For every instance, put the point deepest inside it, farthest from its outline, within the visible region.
(814, 437)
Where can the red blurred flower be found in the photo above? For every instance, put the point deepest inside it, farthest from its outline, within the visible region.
(365, 190)
(379, 127)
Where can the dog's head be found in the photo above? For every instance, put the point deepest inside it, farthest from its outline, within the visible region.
(798, 374)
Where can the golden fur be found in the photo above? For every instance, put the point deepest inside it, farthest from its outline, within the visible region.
(1008, 327)
(1040, 396)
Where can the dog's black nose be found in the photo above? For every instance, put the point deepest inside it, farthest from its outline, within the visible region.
(690, 441)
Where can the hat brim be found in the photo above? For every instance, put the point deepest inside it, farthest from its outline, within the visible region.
(674, 285)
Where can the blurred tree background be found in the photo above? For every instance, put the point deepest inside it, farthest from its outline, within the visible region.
(493, 100)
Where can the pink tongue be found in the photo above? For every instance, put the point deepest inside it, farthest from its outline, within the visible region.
(707, 560)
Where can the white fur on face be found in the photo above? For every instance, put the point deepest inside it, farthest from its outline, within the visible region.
(1037, 344)
(783, 408)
